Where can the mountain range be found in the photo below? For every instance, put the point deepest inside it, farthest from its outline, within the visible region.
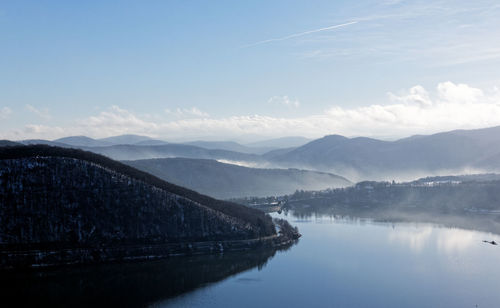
(458, 151)
(259, 147)
(84, 141)
(359, 158)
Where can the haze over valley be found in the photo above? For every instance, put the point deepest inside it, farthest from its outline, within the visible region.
(356, 159)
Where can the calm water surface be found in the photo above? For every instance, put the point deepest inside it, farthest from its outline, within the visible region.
(356, 263)
(338, 262)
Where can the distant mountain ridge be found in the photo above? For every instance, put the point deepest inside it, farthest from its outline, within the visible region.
(91, 144)
(230, 146)
(84, 141)
(279, 143)
(260, 147)
(46, 142)
(126, 139)
(450, 152)
(8, 143)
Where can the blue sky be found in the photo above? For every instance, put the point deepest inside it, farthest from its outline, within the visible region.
(246, 70)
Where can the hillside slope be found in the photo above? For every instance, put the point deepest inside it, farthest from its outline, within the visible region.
(54, 197)
(230, 181)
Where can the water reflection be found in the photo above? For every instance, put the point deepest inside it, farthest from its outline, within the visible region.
(348, 261)
(444, 233)
(416, 239)
(330, 214)
(129, 284)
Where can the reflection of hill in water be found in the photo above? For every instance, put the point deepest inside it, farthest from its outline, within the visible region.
(127, 285)
(471, 221)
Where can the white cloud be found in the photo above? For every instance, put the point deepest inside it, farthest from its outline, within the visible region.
(187, 112)
(459, 93)
(42, 113)
(115, 121)
(284, 100)
(5, 112)
(416, 94)
(415, 111)
(41, 131)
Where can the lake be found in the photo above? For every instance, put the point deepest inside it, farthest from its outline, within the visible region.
(338, 262)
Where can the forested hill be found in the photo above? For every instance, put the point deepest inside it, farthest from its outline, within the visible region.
(67, 197)
(434, 195)
(222, 180)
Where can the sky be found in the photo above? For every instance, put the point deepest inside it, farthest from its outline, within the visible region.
(247, 70)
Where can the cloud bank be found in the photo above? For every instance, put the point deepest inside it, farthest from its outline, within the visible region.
(414, 111)
(284, 100)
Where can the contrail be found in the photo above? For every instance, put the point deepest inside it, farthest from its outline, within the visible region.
(299, 34)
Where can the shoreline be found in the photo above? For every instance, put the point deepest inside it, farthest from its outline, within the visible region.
(11, 259)
(37, 259)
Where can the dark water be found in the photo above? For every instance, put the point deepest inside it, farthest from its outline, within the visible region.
(129, 284)
(337, 263)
